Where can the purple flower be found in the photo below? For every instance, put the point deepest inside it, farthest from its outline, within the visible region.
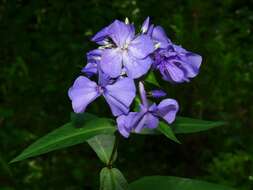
(118, 94)
(176, 64)
(148, 116)
(122, 49)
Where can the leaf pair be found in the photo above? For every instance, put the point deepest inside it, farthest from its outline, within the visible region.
(99, 133)
(86, 126)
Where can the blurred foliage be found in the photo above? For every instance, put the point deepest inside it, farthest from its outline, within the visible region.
(43, 46)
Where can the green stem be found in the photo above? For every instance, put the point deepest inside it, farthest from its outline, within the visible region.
(114, 150)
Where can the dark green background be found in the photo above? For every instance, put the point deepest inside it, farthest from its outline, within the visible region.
(42, 49)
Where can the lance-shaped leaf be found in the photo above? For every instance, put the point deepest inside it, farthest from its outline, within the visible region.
(182, 125)
(103, 146)
(67, 135)
(167, 131)
(174, 183)
(189, 125)
(112, 179)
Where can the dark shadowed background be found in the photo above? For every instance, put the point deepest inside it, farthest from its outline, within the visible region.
(42, 49)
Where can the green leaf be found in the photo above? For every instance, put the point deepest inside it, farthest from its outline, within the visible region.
(65, 136)
(189, 125)
(174, 183)
(106, 181)
(103, 145)
(180, 126)
(137, 103)
(152, 79)
(148, 131)
(112, 179)
(167, 131)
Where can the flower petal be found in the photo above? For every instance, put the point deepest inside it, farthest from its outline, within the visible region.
(151, 121)
(121, 126)
(104, 79)
(141, 47)
(167, 109)
(121, 33)
(150, 30)
(194, 61)
(117, 107)
(100, 37)
(135, 68)
(111, 62)
(120, 95)
(124, 124)
(94, 54)
(173, 73)
(83, 92)
(93, 59)
(140, 121)
(90, 69)
(159, 35)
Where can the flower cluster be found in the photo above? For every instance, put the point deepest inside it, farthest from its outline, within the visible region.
(123, 56)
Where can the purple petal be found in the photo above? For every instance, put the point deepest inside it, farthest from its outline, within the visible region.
(179, 49)
(123, 90)
(144, 99)
(83, 92)
(104, 79)
(140, 121)
(121, 126)
(159, 35)
(117, 107)
(151, 121)
(141, 47)
(135, 68)
(173, 73)
(121, 33)
(93, 58)
(145, 25)
(111, 62)
(194, 61)
(167, 109)
(189, 70)
(150, 30)
(145, 121)
(93, 54)
(100, 37)
(90, 69)
(120, 96)
(124, 123)
(190, 61)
